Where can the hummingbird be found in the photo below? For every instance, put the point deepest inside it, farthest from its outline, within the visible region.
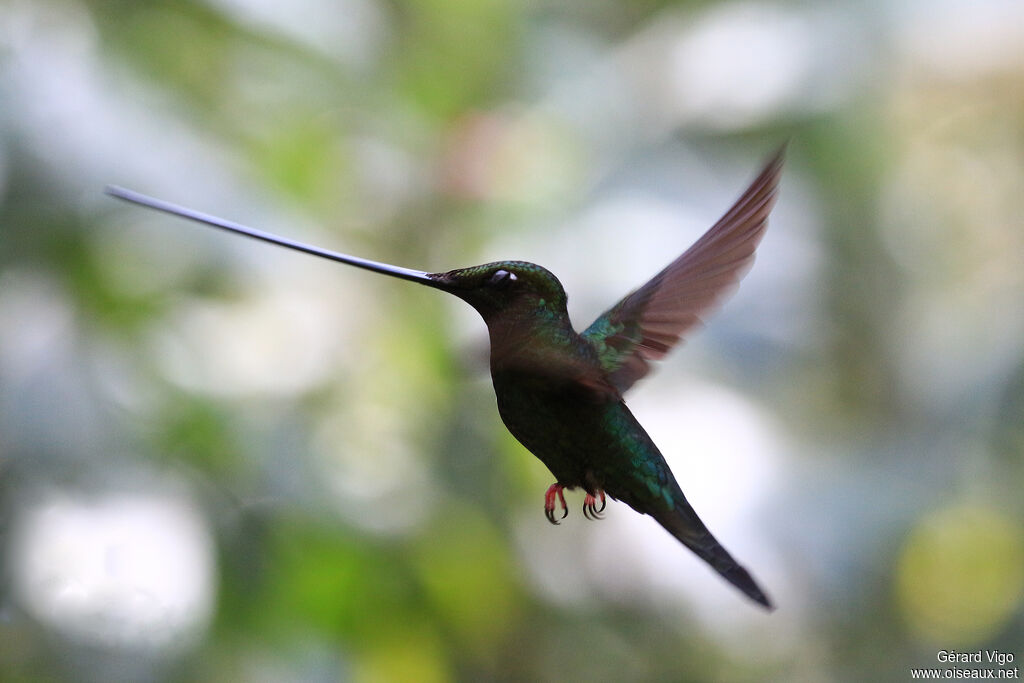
(560, 392)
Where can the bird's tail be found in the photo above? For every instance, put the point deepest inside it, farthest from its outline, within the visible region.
(685, 525)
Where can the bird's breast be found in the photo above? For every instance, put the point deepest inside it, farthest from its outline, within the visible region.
(588, 444)
(549, 421)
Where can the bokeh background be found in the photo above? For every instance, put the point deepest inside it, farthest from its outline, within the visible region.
(225, 461)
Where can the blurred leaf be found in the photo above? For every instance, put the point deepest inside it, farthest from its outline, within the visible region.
(467, 573)
(454, 52)
(326, 579)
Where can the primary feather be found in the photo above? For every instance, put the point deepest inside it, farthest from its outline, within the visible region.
(649, 322)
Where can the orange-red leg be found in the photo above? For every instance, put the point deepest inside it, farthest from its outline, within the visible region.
(549, 502)
(590, 510)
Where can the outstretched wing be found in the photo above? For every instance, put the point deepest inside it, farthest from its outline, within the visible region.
(651, 320)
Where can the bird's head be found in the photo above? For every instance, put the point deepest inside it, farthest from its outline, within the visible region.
(505, 287)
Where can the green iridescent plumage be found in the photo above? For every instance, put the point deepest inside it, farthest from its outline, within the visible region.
(560, 392)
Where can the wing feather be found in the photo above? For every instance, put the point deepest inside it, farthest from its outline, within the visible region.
(650, 321)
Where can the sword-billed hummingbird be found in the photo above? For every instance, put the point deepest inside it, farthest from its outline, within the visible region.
(560, 392)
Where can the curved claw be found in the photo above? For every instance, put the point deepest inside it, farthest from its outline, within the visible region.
(590, 509)
(549, 503)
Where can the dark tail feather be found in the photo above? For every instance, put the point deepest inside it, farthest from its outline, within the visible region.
(684, 524)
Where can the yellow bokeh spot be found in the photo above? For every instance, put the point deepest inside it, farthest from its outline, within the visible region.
(408, 653)
(961, 574)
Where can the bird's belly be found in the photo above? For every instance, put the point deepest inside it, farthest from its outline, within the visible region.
(562, 436)
(584, 443)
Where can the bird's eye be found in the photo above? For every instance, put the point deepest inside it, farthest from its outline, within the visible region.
(501, 277)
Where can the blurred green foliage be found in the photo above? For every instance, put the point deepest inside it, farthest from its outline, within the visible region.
(371, 519)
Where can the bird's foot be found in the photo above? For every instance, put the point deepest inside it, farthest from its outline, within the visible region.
(549, 502)
(590, 510)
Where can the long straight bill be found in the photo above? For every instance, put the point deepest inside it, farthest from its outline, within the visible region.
(175, 210)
